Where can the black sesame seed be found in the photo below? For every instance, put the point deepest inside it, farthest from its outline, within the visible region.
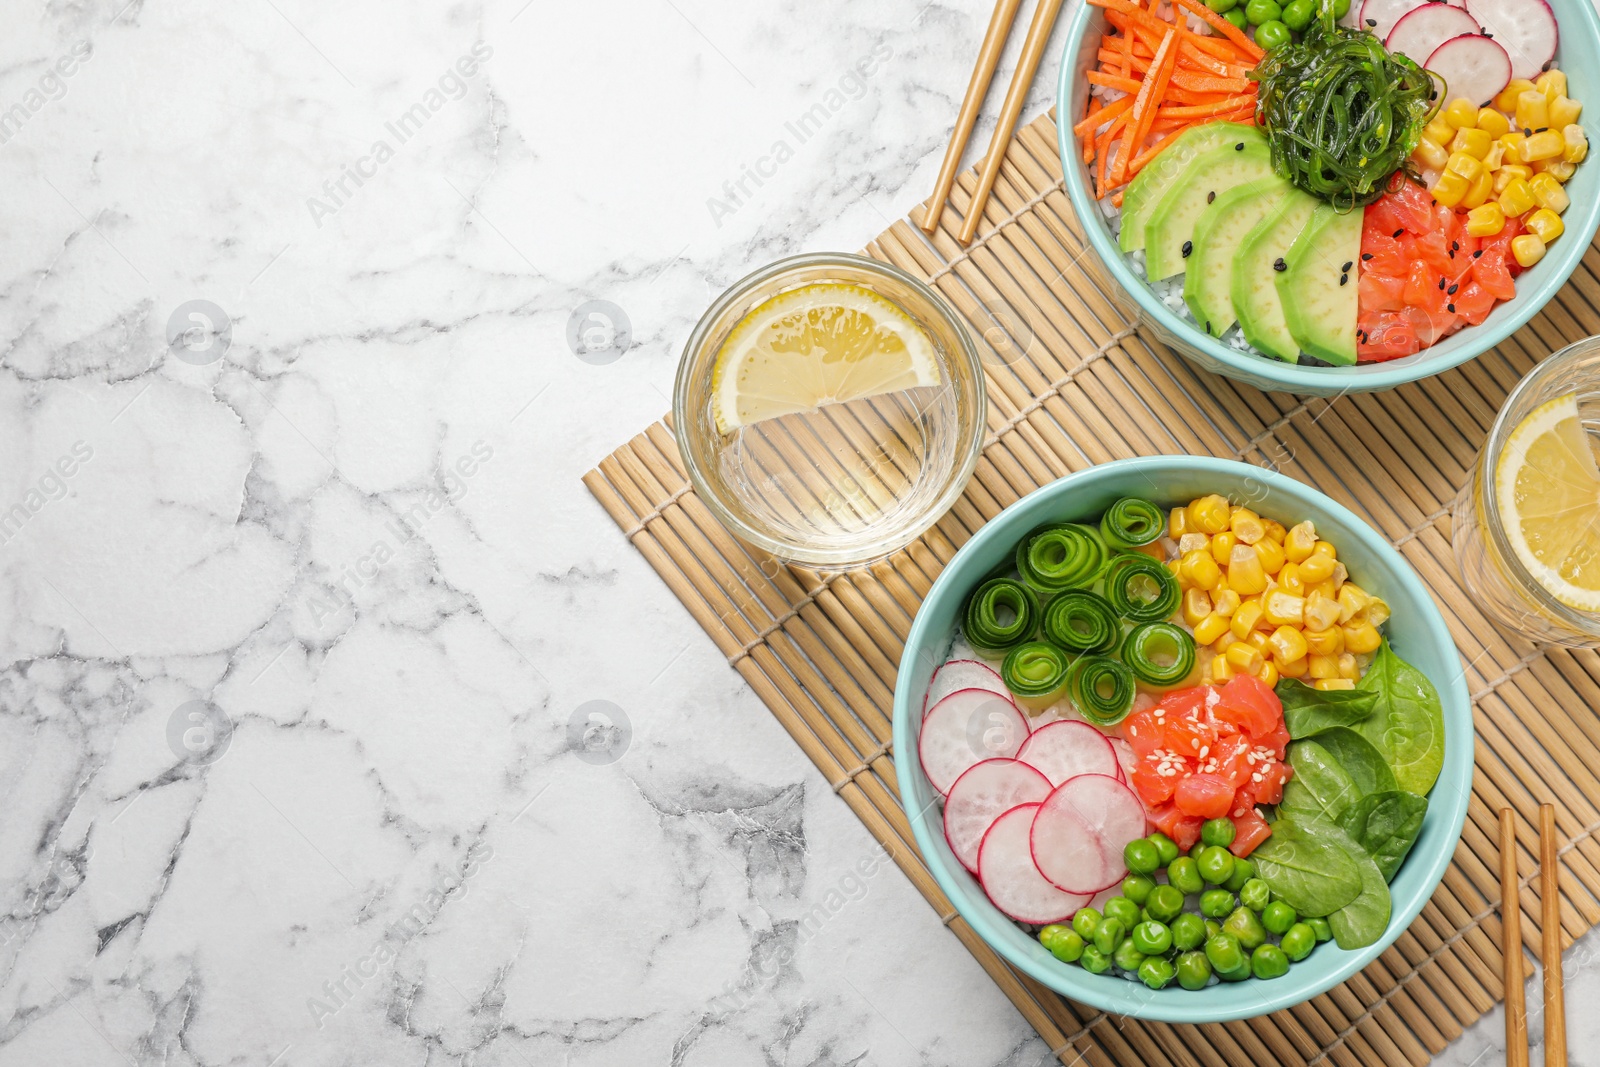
(1343, 278)
(1211, 196)
(1398, 232)
(1208, 326)
(1455, 246)
(1486, 33)
(1526, 132)
(1452, 252)
(1239, 147)
(1541, 129)
(1279, 264)
(1188, 246)
(1347, 265)
(1372, 22)
(1478, 253)
(1366, 256)
(1548, 64)
(1450, 308)
(1452, 290)
(1441, 283)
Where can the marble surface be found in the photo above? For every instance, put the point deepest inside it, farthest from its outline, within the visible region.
(301, 599)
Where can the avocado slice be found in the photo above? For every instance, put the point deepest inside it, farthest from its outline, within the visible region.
(1216, 170)
(1318, 285)
(1221, 229)
(1255, 280)
(1146, 189)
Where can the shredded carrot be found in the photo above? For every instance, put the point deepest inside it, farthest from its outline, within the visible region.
(1144, 108)
(1112, 81)
(1224, 27)
(1098, 116)
(1227, 105)
(1203, 84)
(1116, 201)
(1105, 151)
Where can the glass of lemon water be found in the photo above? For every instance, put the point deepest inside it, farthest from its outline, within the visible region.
(1526, 528)
(829, 409)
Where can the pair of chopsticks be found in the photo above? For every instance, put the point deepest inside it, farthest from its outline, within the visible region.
(994, 42)
(1555, 1012)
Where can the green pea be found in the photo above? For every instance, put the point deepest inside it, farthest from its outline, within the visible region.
(1222, 7)
(1213, 928)
(1165, 903)
(1277, 917)
(1188, 932)
(1136, 887)
(1341, 8)
(1222, 831)
(1320, 927)
(1258, 11)
(1166, 848)
(1215, 864)
(1184, 875)
(1298, 942)
(1225, 952)
(1085, 921)
(1156, 972)
(1273, 34)
(1243, 871)
(1109, 934)
(1244, 925)
(1236, 16)
(1094, 961)
(1124, 911)
(1217, 903)
(1297, 14)
(1128, 957)
(1151, 938)
(1255, 895)
(1194, 970)
(1141, 856)
(1268, 961)
(1063, 942)
(1195, 849)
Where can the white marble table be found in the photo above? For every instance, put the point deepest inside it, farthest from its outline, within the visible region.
(301, 591)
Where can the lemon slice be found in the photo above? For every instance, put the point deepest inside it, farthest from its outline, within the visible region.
(819, 344)
(1548, 488)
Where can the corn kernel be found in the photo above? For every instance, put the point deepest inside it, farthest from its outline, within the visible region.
(1244, 657)
(1450, 188)
(1461, 112)
(1321, 610)
(1508, 173)
(1439, 131)
(1292, 669)
(1276, 531)
(1209, 629)
(1287, 644)
(1493, 122)
(1552, 83)
(1260, 641)
(1245, 573)
(1548, 192)
(1225, 602)
(1200, 569)
(1323, 666)
(1533, 110)
(1325, 548)
(1329, 642)
(1479, 191)
(1507, 100)
(1496, 157)
(1544, 222)
(1270, 553)
(1289, 580)
(1178, 523)
(1576, 142)
(1564, 111)
(1220, 645)
(1517, 199)
(1324, 587)
(1220, 671)
(1196, 606)
(1244, 620)
(1471, 141)
(1486, 220)
(1469, 167)
(1326, 684)
(1222, 547)
(1193, 542)
(1545, 144)
(1209, 514)
(1557, 168)
(1513, 142)
(1282, 609)
(1348, 668)
(1268, 674)
(1361, 637)
(1299, 542)
(1246, 526)
(1377, 610)
(1352, 598)
(1177, 572)
(1316, 568)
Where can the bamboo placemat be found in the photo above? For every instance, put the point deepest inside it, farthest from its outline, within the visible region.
(1083, 386)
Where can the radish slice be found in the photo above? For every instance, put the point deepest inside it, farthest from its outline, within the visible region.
(1081, 829)
(1473, 66)
(1526, 29)
(1014, 884)
(1066, 749)
(982, 795)
(968, 727)
(958, 674)
(1420, 30)
(1379, 16)
(1127, 759)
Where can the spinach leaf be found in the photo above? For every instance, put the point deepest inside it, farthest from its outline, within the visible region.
(1310, 864)
(1308, 711)
(1407, 726)
(1320, 788)
(1363, 763)
(1363, 920)
(1386, 825)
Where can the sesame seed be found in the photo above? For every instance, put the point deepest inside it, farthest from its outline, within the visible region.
(1239, 147)
(1211, 196)
(1398, 232)
(1279, 265)
(1347, 265)
(1452, 290)
(1188, 246)
(1366, 256)
(1450, 308)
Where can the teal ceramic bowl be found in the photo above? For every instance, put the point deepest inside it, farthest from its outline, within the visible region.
(1416, 630)
(1580, 36)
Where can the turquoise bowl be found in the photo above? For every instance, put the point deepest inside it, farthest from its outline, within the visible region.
(1580, 36)
(1416, 630)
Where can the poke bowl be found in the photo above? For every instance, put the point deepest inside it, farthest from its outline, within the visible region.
(1063, 858)
(1404, 333)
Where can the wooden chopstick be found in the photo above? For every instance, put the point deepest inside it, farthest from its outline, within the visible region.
(1511, 944)
(1033, 46)
(1555, 1010)
(994, 42)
